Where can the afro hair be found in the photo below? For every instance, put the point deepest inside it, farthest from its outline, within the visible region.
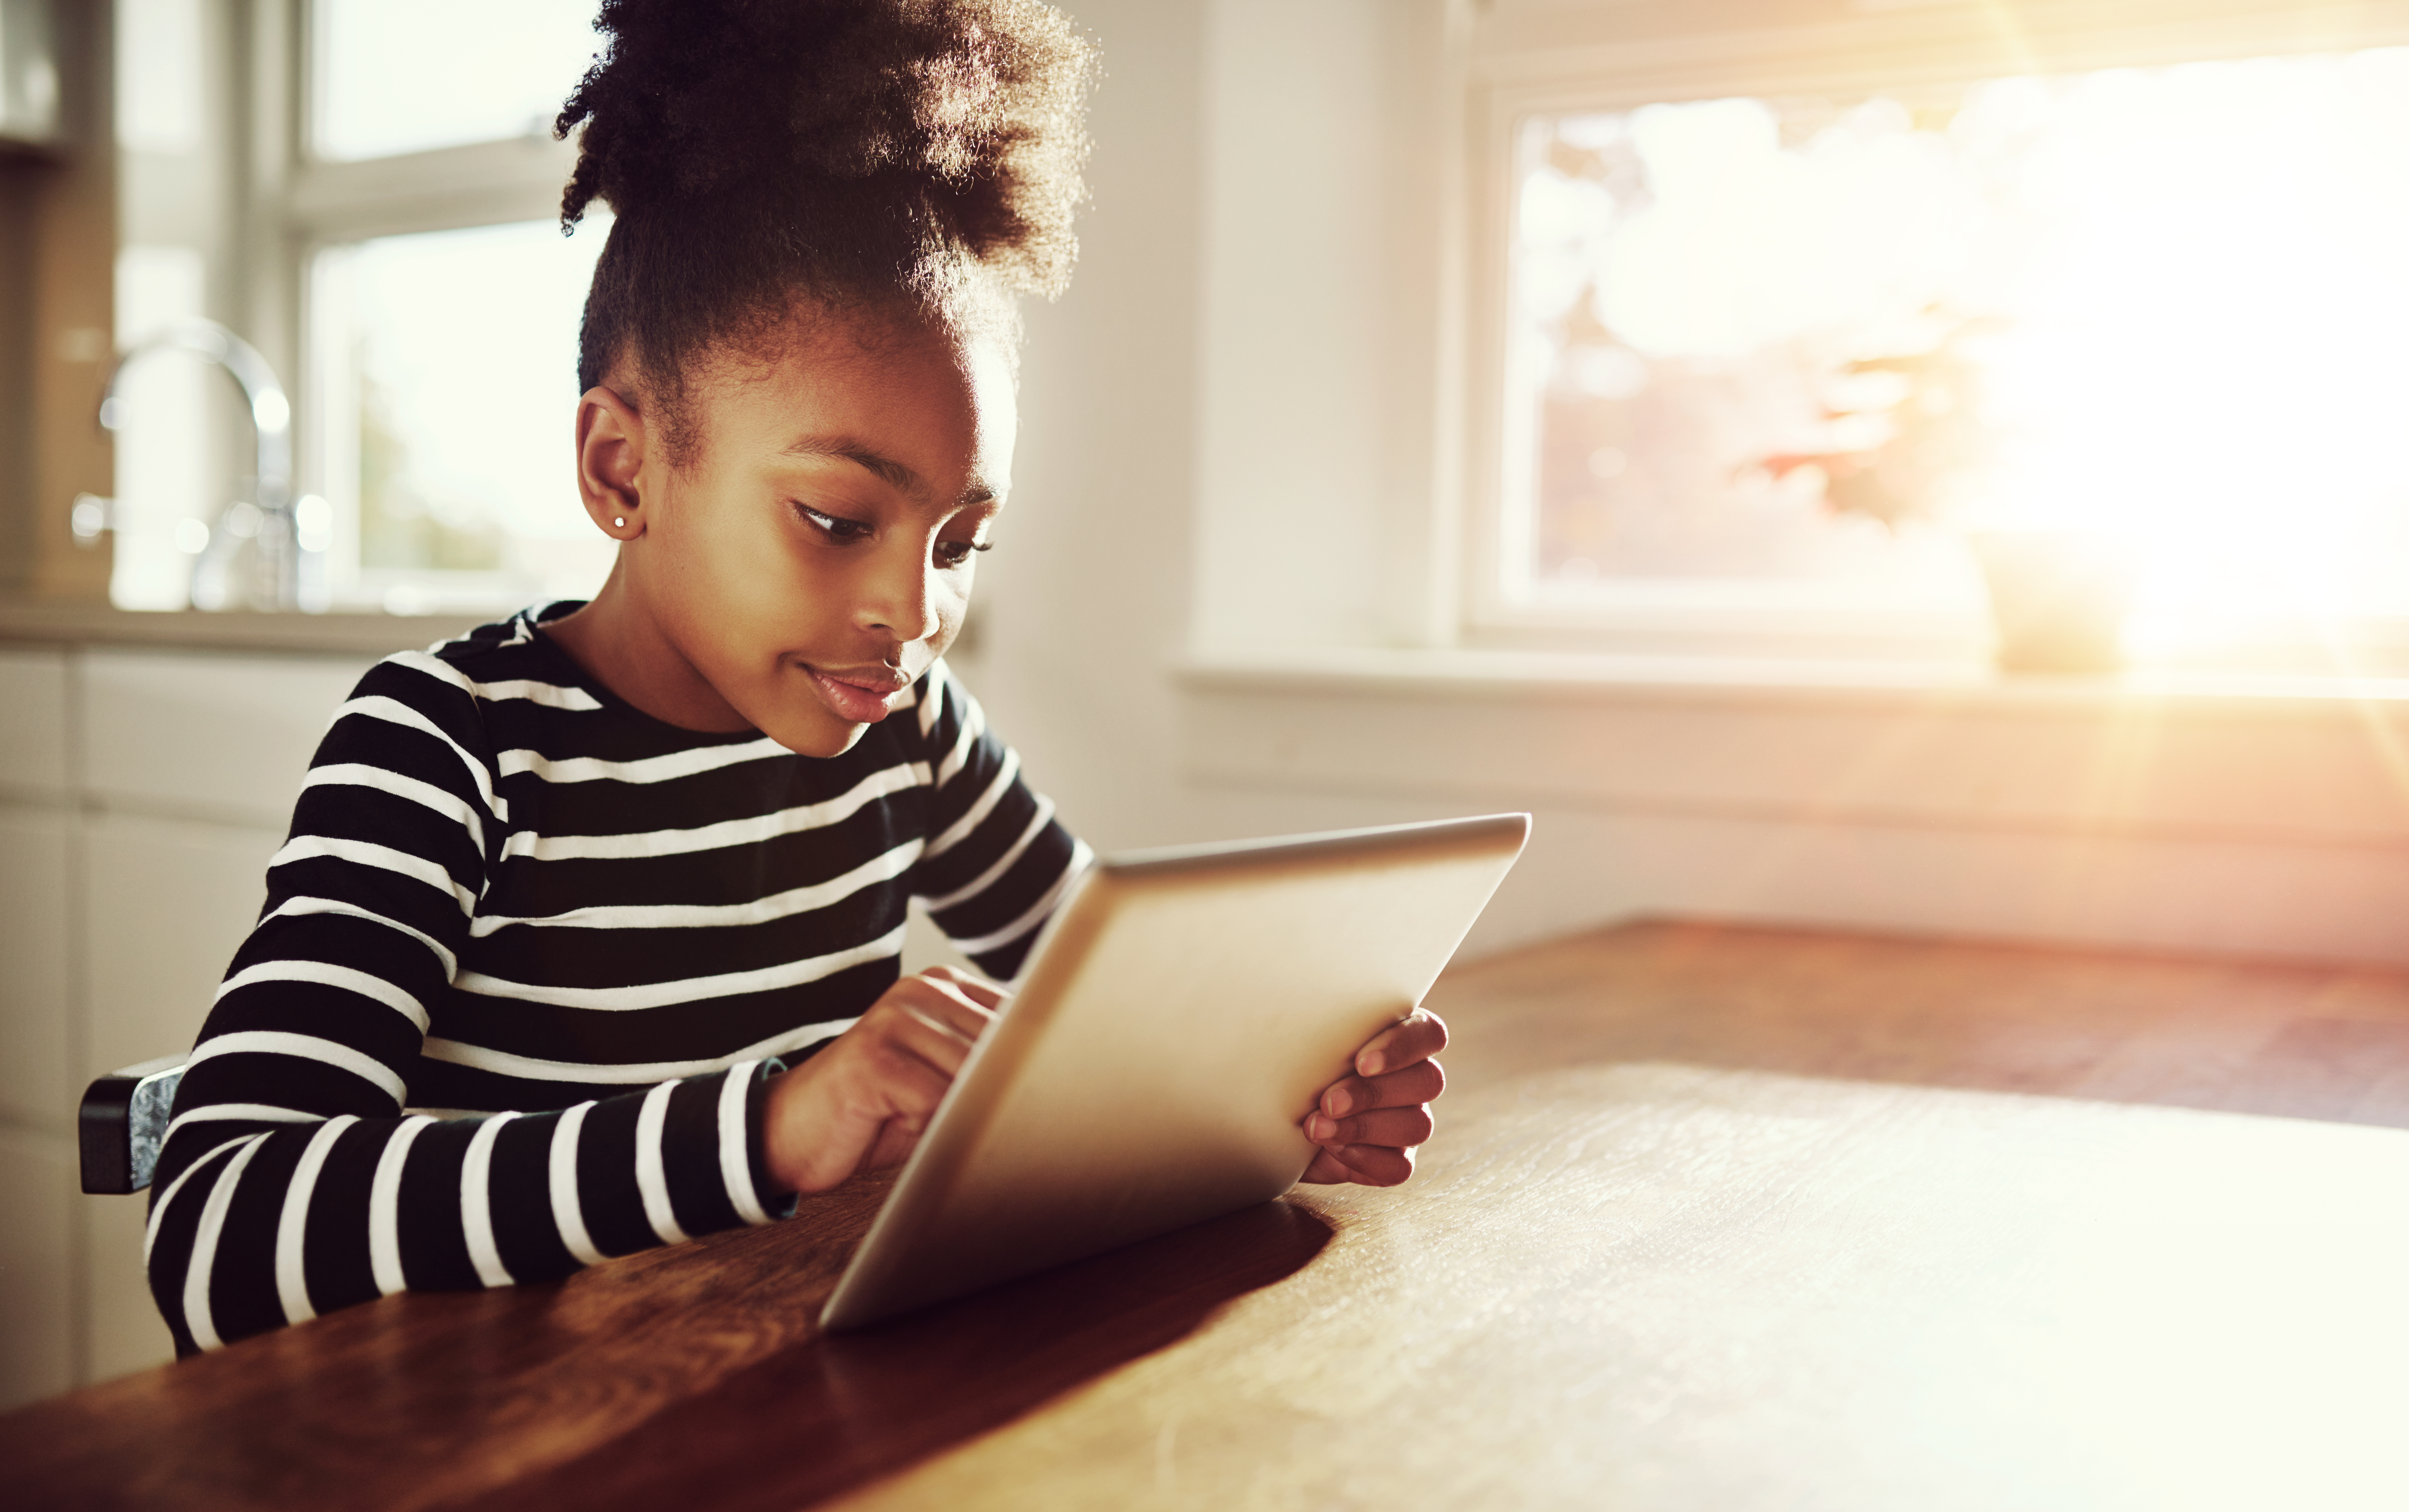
(910, 153)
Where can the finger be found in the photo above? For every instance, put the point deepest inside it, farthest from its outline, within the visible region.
(1417, 1083)
(1372, 1165)
(977, 989)
(954, 1001)
(936, 1025)
(1417, 1036)
(942, 1008)
(895, 1140)
(1326, 1168)
(905, 1028)
(1397, 1127)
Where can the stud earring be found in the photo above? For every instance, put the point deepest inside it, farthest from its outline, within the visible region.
(621, 521)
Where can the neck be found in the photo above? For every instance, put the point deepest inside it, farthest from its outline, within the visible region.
(620, 644)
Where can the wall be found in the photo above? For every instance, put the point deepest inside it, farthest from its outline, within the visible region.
(1220, 416)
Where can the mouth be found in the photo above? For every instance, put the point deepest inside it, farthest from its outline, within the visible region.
(863, 696)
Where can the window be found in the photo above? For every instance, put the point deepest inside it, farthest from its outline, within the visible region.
(1771, 356)
(389, 79)
(441, 351)
(176, 454)
(445, 377)
(401, 267)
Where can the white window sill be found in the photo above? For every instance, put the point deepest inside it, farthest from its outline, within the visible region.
(1868, 684)
(2176, 757)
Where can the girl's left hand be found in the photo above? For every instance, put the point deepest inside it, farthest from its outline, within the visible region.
(1369, 1124)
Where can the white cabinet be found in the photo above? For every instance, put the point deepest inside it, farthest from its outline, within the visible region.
(206, 734)
(37, 1060)
(38, 1235)
(165, 902)
(33, 721)
(142, 795)
(38, 1264)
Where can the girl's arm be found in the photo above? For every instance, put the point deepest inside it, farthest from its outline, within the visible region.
(290, 1183)
(996, 864)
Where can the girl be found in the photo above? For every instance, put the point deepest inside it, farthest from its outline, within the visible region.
(586, 936)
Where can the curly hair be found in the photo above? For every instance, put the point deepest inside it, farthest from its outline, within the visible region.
(921, 155)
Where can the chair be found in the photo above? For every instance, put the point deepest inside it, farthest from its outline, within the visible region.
(122, 1123)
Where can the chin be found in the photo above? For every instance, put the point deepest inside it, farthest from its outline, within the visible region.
(820, 738)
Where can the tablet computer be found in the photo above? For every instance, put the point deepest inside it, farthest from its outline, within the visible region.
(1178, 1017)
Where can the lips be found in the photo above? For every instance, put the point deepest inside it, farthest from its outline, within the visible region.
(860, 697)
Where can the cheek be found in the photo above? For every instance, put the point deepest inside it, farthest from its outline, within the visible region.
(953, 596)
(741, 558)
(735, 586)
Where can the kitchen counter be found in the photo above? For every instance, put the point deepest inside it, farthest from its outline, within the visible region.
(23, 621)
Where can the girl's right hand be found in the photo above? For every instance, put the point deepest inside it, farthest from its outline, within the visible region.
(860, 1104)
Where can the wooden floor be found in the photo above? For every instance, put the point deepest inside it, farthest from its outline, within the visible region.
(1717, 1220)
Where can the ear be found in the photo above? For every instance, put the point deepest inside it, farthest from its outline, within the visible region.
(611, 445)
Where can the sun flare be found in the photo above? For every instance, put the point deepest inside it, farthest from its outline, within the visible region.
(2182, 291)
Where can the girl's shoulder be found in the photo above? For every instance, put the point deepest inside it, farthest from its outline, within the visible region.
(501, 662)
(460, 689)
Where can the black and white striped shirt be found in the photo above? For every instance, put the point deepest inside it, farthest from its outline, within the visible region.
(527, 961)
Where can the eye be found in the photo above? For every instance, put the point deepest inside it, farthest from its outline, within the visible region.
(836, 526)
(955, 552)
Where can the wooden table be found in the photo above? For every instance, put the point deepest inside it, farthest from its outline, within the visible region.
(1717, 1219)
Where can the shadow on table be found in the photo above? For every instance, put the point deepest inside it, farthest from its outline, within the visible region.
(836, 1412)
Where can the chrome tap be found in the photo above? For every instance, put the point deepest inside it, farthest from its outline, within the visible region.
(280, 546)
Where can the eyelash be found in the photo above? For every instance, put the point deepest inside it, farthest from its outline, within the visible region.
(844, 532)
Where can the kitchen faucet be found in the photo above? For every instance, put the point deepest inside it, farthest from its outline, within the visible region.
(279, 544)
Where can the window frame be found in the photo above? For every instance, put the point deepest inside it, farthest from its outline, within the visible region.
(1532, 60)
(304, 205)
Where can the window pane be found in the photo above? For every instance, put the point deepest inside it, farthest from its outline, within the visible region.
(448, 361)
(439, 73)
(1768, 339)
(173, 467)
(158, 87)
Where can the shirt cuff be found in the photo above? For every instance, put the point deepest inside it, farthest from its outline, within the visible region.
(769, 1197)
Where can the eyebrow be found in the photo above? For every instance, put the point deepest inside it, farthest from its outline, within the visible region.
(885, 468)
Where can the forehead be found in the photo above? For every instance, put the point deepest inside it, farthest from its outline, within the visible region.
(898, 384)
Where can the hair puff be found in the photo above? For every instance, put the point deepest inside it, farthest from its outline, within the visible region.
(848, 149)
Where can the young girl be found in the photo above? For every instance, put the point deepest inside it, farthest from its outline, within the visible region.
(586, 936)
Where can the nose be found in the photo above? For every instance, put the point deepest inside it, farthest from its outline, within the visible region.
(901, 598)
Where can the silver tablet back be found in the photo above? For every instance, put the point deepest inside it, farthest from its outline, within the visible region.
(1176, 1023)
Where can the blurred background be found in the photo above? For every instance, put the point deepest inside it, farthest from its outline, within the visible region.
(1927, 465)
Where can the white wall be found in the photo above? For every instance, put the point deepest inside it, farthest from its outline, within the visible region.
(1086, 600)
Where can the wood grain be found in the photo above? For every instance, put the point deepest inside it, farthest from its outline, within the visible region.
(2302, 1040)
(662, 1373)
(1717, 1219)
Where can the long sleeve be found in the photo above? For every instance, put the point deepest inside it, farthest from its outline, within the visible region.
(292, 1181)
(996, 864)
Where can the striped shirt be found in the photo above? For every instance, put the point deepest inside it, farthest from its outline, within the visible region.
(526, 962)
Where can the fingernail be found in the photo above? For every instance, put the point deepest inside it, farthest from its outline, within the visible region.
(1337, 1101)
(1370, 1062)
(1319, 1128)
